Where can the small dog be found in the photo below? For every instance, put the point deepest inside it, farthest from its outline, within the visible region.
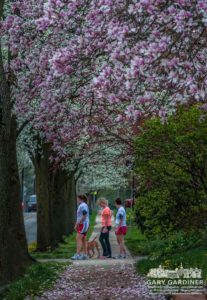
(91, 246)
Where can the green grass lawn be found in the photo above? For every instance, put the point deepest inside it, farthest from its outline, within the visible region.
(155, 249)
(37, 278)
(66, 249)
(135, 241)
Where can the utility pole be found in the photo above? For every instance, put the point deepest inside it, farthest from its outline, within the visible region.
(130, 165)
(22, 188)
(133, 193)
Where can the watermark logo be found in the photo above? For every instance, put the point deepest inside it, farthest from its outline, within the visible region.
(179, 280)
(177, 273)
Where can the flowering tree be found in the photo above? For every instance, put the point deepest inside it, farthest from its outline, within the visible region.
(47, 104)
(103, 168)
(124, 60)
(153, 53)
(99, 67)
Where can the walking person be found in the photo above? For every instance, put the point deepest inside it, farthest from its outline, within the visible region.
(81, 226)
(121, 228)
(106, 224)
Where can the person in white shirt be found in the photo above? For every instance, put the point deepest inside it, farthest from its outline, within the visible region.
(81, 226)
(121, 228)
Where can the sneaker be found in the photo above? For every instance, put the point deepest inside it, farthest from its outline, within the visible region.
(76, 257)
(102, 257)
(119, 256)
(108, 256)
(84, 256)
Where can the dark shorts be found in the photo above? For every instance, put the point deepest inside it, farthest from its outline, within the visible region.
(122, 230)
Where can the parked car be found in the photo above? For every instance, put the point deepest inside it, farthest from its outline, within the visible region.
(32, 203)
(129, 203)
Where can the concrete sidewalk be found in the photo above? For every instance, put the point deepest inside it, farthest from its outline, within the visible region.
(103, 279)
(114, 247)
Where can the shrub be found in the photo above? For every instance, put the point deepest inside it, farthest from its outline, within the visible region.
(171, 162)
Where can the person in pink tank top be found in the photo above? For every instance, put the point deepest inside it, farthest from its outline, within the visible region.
(106, 223)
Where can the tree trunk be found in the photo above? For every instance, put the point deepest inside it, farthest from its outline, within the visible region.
(43, 192)
(64, 205)
(14, 257)
(58, 206)
(70, 204)
(56, 201)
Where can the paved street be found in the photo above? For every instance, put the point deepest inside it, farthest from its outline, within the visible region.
(30, 227)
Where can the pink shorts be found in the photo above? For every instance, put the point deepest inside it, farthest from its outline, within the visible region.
(122, 230)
